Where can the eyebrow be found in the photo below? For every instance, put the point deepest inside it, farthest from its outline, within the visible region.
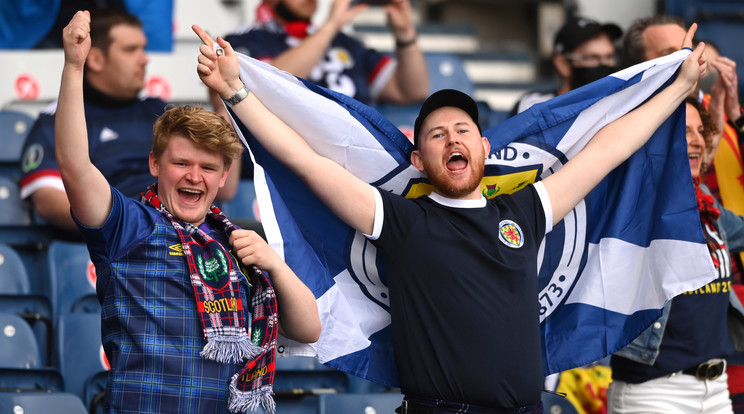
(459, 123)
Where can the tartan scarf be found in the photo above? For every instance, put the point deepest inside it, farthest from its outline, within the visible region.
(217, 293)
(708, 216)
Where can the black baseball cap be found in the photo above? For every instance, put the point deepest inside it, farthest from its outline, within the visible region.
(578, 30)
(440, 99)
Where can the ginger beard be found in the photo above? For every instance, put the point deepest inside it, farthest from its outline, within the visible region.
(461, 185)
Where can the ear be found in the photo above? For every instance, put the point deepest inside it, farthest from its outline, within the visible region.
(416, 160)
(96, 60)
(486, 146)
(562, 66)
(154, 166)
(225, 174)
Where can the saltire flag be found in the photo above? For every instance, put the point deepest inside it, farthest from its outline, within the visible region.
(605, 271)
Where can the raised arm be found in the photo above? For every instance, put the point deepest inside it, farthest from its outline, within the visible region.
(618, 140)
(300, 60)
(87, 189)
(410, 82)
(350, 198)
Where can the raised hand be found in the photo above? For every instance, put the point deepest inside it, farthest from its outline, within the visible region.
(219, 72)
(694, 67)
(76, 39)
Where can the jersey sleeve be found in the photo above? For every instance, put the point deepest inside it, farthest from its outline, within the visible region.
(38, 162)
(128, 223)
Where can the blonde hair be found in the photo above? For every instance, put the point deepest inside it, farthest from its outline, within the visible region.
(204, 128)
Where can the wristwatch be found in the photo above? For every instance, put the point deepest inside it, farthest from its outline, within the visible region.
(739, 122)
(241, 94)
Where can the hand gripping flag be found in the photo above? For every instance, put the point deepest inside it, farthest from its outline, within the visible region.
(605, 271)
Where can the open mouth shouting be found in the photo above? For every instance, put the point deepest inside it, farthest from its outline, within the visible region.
(456, 163)
(189, 195)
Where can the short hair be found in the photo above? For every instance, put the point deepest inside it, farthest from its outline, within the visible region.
(103, 20)
(206, 129)
(634, 48)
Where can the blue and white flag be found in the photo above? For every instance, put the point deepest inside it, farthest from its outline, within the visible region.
(605, 271)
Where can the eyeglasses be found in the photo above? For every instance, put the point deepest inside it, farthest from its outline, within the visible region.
(593, 60)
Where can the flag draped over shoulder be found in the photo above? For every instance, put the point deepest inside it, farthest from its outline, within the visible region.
(605, 271)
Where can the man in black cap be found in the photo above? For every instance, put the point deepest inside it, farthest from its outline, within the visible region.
(463, 268)
(584, 51)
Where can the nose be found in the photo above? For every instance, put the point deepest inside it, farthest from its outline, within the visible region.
(193, 175)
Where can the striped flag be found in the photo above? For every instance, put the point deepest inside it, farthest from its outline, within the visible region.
(605, 271)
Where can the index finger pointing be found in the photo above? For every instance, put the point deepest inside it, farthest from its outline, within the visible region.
(203, 35)
(687, 41)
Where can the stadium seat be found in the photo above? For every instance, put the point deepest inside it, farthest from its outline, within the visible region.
(358, 403)
(16, 298)
(447, 71)
(557, 404)
(18, 345)
(41, 403)
(243, 206)
(14, 212)
(72, 279)
(14, 127)
(94, 390)
(13, 275)
(79, 353)
(31, 380)
(306, 376)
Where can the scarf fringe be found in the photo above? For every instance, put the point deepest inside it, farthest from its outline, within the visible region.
(230, 348)
(241, 401)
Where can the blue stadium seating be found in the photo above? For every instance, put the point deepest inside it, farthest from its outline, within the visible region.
(14, 127)
(41, 403)
(71, 278)
(18, 345)
(306, 376)
(93, 392)
(13, 275)
(358, 403)
(16, 298)
(14, 212)
(557, 404)
(31, 380)
(447, 71)
(78, 350)
(241, 207)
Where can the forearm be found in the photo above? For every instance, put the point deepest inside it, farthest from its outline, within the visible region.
(351, 199)
(298, 310)
(52, 205)
(612, 145)
(411, 74)
(70, 131)
(301, 59)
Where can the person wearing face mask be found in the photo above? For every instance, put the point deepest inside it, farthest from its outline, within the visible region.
(584, 51)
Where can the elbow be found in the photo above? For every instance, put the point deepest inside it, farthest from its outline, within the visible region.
(307, 334)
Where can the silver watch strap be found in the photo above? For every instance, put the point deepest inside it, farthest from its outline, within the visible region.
(241, 94)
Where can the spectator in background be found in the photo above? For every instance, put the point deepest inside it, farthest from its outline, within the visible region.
(584, 51)
(656, 36)
(285, 37)
(678, 364)
(119, 122)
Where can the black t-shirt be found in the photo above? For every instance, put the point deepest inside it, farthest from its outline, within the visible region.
(463, 297)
